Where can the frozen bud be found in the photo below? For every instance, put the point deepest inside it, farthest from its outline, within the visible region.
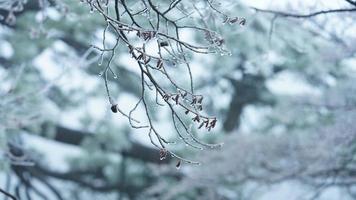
(147, 60)
(200, 100)
(179, 163)
(200, 107)
(159, 64)
(194, 101)
(163, 44)
(166, 97)
(242, 21)
(184, 94)
(207, 123)
(114, 108)
(176, 98)
(196, 118)
(201, 125)
(162, 154)
(219, 41)
(213, 123)
(233, 20)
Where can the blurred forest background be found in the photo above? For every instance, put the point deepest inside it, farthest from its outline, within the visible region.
(284, 95)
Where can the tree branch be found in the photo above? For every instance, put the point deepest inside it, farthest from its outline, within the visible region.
(313, 14)
(79, 177)
(7, 194)
(351, 2)
(75, 137)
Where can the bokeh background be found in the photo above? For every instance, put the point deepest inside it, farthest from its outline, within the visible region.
(285, 100)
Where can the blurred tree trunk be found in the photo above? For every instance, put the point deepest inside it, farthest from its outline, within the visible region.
(248, 90)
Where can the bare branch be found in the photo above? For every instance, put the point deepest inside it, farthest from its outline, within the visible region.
(313, 14)
(8, 194)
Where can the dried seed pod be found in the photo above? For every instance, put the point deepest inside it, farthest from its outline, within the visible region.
(226, 20)
(200, 100)
(196, 118)
(166, 97)
(162, 154)
(163, 44)
(219, 41)
(114, 108)
(206, 123)
(194, 101)
(242, 21)
(213, 123)
(159, 64)
(200, 107)
(147, 60)
(233, 20)
(176, 98)
(179, 163)
(184, 94)
(201, 125)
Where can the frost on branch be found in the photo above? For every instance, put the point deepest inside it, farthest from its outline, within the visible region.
(153, 34)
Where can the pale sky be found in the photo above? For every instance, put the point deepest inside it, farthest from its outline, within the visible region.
(304, 3)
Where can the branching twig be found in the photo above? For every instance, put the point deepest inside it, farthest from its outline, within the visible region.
(163, 24)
